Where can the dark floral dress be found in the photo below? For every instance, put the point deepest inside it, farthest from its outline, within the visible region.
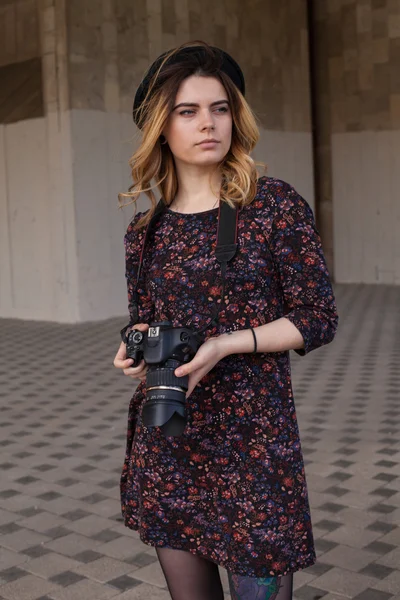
(232, 488)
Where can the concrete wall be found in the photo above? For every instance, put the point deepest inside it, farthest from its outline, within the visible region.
(62, 242)
(38, 258)
(357, 99)
(19, 31)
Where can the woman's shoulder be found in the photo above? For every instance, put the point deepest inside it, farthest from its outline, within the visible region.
(135, 220)
(133, 235)
(275, 196)
(274, 188)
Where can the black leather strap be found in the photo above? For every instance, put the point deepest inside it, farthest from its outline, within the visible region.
(227, 233)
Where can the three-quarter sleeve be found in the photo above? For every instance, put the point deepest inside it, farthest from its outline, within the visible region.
(297, 251)
(133, 244)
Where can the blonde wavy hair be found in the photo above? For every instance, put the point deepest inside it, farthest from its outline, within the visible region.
(154, 161)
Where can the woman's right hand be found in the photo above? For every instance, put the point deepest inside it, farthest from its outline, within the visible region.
(121, 362)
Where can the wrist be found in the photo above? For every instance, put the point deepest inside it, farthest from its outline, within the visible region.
(235, 342)
(222, 345)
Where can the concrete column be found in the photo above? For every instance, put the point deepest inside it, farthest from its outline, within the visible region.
(38, 258)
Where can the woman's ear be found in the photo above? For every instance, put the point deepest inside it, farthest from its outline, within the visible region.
(163, 139)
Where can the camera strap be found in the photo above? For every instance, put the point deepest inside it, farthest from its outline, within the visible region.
(225, 250)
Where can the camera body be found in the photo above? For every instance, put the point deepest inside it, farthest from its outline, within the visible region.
(160, 343)
(164, 348)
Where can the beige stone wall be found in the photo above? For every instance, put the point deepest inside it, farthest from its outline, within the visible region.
(356, 78)
(19, 31)
(54, 55)
(21, 94)
(358, 50)
(112, 42)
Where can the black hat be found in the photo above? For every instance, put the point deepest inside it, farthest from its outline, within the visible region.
(225, 63)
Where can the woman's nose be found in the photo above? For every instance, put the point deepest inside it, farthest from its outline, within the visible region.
(207, 121)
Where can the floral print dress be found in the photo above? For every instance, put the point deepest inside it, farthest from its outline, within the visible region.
(232, 488)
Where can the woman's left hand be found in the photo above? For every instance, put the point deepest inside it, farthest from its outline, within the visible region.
(207, 356)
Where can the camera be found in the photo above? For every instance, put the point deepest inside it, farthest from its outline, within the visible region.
(164, 348)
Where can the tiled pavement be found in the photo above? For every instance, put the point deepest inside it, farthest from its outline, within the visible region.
(62, 435)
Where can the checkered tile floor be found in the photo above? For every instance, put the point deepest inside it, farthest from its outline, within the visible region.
(62, 437)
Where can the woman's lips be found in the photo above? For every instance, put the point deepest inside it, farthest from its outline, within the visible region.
(208, 144)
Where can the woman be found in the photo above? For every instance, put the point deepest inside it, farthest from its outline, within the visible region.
(230, 490)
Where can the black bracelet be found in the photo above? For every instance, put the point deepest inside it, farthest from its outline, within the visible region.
(255, 340)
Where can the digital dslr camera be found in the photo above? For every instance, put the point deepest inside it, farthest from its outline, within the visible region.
(164, 348)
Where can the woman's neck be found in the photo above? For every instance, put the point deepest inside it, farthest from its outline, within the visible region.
(197, 190)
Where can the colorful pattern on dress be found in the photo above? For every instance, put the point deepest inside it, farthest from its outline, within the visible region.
(232, 488)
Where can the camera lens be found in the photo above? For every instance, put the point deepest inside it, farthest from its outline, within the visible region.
(166, 399)
(165, 408)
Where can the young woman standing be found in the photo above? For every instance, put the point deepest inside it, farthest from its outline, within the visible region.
(230, 490)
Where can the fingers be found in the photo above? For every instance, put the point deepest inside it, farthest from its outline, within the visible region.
(138, 372)
(120, 360)
(135, 370)
(183, 370)
(121, 354)
(193, 382)
(142, 326)
(191, 388)
(187, 368)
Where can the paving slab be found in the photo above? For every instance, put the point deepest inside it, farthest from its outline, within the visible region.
(62, 441)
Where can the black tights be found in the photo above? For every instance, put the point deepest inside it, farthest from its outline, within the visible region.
(191, 577)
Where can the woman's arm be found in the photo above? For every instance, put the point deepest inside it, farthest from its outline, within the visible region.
(296, 249)
(277, 336)
(311, 317)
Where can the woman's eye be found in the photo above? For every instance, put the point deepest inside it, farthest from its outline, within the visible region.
(220, 109)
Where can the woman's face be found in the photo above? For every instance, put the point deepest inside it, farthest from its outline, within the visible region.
(201, 112)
